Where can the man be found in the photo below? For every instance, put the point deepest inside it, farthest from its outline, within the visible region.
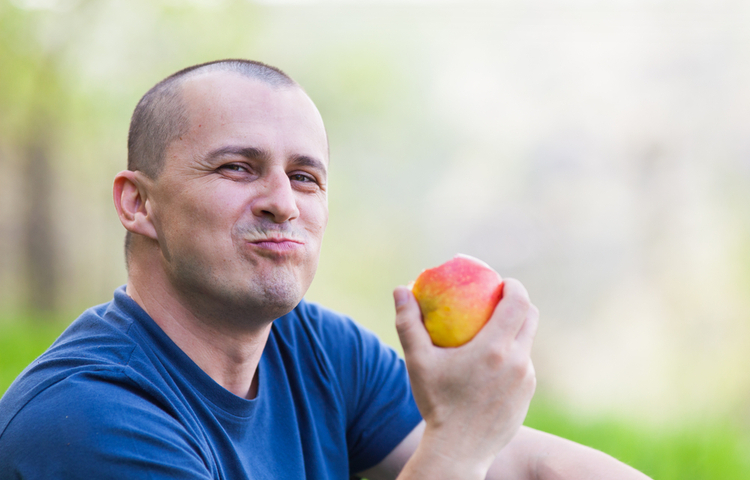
(209, 364)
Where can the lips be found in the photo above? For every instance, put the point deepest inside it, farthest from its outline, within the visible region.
(280, 244)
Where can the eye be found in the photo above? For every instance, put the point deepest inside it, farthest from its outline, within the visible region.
(234, 167)
(301, 177)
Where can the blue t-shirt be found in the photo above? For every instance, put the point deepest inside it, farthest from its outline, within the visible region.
(115, 398)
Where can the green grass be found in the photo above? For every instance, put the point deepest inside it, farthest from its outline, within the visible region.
(697, 451)
(21, 341)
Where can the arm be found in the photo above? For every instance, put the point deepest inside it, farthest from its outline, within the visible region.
(531, 454)
(541, 456)
(474, 399)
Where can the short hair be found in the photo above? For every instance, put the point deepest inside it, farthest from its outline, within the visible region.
(161, 115)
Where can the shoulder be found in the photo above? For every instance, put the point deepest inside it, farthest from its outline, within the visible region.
(90, 421)
(84, 382)
(89, 343)
(105, 338)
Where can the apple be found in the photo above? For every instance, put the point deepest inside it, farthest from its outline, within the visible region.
(457, 299)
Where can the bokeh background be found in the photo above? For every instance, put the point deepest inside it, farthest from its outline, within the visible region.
(599, 151)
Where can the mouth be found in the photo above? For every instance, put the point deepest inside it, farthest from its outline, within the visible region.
(277, 244)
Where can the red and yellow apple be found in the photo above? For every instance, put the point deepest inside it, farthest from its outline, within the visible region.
(457, 299)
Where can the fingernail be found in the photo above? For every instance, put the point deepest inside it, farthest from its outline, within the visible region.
(400, 296)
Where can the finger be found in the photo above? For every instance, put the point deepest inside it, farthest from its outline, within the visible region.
(411, 331)
(510, 312)
(526, 334)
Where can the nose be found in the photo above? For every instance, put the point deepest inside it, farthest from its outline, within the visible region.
(275, 198)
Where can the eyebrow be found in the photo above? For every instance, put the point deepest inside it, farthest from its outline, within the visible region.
(305, 161)
(255, 153)
(247, 152)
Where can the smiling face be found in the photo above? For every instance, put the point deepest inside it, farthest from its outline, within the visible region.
(240, 206)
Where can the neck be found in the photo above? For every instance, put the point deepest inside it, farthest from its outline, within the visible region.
(228, 354)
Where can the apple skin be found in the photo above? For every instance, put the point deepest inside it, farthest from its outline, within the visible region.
(457, 298)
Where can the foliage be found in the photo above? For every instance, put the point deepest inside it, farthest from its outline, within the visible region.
(21, 341)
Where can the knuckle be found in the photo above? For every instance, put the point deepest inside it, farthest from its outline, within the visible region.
(531, 382)
(404, 320)
(496, 354)
(530, 377)
(530, 374)
(514, 288)
(402, 323)
(517, 303)
(401, 312)
(522, 302)
(520, 367)
(516, 368)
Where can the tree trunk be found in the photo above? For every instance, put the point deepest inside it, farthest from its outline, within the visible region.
(39, 246)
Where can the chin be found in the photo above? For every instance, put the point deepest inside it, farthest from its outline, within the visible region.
(282, 290)
(281, 299)
(275, 294)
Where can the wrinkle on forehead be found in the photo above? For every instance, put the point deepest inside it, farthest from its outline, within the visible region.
(216, 99)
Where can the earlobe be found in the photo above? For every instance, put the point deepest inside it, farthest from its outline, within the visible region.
(131, 202)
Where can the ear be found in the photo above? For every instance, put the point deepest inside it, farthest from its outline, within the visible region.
(131, 201)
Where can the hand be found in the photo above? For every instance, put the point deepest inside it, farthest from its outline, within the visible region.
(473, 398)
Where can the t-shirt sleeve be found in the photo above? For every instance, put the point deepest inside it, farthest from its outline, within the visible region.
(385, 411)
(97, 425)
(380, 407)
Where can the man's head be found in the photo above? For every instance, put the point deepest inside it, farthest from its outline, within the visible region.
(161, 115)
(226, 192)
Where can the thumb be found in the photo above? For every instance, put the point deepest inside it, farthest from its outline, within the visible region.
(411, 331)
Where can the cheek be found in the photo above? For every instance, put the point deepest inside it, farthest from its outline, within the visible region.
(201, 217)
(316, 220)
(218, 204)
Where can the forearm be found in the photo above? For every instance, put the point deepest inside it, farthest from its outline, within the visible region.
(438, 458)
(530, 455)
(536, 455)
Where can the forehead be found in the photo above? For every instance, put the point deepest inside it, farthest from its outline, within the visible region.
(229, 108)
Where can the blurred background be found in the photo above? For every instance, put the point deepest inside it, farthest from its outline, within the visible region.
(599, 151)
